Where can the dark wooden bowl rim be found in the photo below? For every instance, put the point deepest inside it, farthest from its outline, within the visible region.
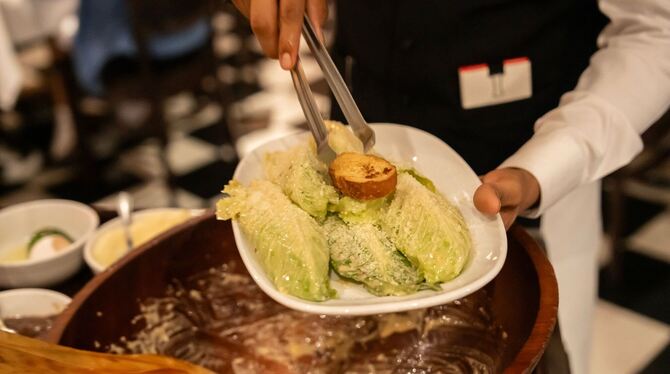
(524, 361)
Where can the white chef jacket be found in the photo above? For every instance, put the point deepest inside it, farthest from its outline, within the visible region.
(594, 131)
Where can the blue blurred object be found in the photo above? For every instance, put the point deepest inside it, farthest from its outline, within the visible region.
(105, 33)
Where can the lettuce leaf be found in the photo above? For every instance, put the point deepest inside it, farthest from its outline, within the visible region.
(351, 210)
(363, 253)
(289, 244)
(420, 178)
(342, 139)
(427, 229)
(302, 177)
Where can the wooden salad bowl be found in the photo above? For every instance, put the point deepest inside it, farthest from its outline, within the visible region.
(524, 294)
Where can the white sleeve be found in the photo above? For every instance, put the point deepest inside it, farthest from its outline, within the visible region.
(596, 127)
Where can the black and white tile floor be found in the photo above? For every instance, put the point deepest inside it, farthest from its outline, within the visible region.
(632, 327)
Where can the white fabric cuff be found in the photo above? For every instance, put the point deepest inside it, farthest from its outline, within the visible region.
(556, 161)
(582, 140)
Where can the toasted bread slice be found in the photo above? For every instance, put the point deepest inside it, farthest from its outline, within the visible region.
(363, 177)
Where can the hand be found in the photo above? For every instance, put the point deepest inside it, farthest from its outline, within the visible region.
(278, 23)
(507, 191)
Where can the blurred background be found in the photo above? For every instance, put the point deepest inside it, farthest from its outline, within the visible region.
(162, 98)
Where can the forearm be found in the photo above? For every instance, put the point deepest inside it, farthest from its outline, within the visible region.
(595, 129)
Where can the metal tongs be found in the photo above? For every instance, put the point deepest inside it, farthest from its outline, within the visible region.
(340, 91)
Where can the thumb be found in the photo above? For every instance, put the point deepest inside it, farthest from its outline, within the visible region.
(507, 188)
(488, 199)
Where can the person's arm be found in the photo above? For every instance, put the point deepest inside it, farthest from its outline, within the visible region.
(596, 127)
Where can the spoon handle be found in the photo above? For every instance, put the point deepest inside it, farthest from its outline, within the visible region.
(124, 209)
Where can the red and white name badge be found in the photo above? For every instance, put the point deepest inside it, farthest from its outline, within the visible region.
(480, 87)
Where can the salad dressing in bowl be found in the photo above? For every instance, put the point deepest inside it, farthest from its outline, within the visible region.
(108, 244)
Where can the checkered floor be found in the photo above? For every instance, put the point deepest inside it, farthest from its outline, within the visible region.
(632, 328)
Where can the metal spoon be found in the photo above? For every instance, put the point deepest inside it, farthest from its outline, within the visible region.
(124, 209)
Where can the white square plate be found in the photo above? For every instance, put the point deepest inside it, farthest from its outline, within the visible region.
(453, 178)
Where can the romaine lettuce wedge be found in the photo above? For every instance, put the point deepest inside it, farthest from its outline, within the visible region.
(289, 243)
(427, 229)
(302, 177)
(351, 210)
(363, 253)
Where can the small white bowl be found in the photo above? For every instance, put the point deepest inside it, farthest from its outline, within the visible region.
(19, 222)
(115, 224)
(31, 302)
(452, 177)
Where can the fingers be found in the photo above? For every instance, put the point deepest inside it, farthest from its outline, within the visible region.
(317, 10)
(496, 193)
(486, 199)
(290, 24)
(243, 6)
(500, 192)
(507, 186)
(508, 216)
(278, 23)
(507, 191)
(490, 200)
(263, 18)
